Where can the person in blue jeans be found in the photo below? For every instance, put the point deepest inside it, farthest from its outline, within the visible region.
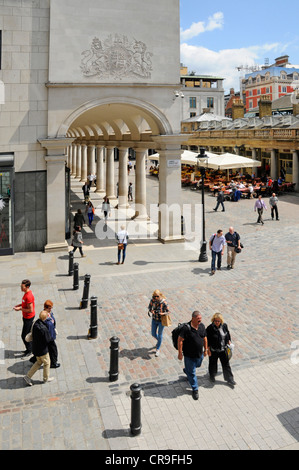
(193, 345)
(157, 307)
(217, 243)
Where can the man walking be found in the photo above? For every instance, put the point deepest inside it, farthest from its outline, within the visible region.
(41, 338)
(260, 206)
(273, 204)
(233, 241)
(28, 312)
(192, 341)
(217, 243)
(130, 192)
(220, 200)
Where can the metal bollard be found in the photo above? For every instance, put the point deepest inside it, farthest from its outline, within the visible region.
(71, 263)
(135, 424)
(93, 330)
(84, 301)
(76, 277)
(113, 372)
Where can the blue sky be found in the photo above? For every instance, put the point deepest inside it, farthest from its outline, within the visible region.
(218, 36)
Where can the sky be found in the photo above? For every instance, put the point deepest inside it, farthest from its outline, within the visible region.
(219, 36)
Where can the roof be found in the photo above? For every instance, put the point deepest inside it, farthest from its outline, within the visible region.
(207, 77)
(207, 117)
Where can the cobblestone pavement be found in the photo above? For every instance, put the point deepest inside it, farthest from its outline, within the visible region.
(82, 409)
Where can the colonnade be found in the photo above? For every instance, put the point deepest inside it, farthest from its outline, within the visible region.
(95, 159)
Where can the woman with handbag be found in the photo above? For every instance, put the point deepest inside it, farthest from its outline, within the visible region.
(219, 338)
(122, 238)
(157, 308)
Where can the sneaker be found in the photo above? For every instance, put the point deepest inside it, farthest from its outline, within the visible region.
(28, 380)
(157, 353)
(228, 266)
(212, 272)
(195, 394)
(50, 379)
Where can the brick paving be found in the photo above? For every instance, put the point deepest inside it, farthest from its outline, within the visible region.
(81, 409)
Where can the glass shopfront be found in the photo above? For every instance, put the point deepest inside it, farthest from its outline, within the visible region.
(6, 206)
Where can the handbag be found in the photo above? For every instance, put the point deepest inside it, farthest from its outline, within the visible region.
(120, 246)
(166, 320)
(229, 351)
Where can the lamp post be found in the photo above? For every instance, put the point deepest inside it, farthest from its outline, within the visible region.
(203, 257)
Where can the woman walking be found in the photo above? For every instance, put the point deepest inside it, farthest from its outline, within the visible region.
(218, 337)
(157, 307)
(106, 208)
(90, 212)
(78, 241)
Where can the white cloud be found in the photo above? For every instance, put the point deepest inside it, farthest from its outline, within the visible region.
(214, 22)
(224, 63)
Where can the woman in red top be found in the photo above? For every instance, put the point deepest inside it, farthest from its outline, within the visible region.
(28, 311)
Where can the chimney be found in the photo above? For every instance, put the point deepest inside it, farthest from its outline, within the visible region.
(237, 109)
(265, 106)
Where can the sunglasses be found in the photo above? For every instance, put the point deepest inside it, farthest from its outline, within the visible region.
(156, 296)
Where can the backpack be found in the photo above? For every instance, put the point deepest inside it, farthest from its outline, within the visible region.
(176, 333)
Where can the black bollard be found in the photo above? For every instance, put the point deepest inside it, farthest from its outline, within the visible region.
(135, 425)
(71, 263)
(113, 372)
(76, 277)
(84, 301)
(93, 330)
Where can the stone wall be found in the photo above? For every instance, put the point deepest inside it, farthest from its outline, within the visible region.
(24, 73)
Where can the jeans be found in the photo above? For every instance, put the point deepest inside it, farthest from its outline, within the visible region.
(90, 217)
(157, 325)
(274, 210)
(191, 363)
(214, 255)
(124, 253)
(218, 204)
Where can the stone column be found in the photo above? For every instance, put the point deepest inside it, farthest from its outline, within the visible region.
(295, 175)
(123, 178)
(74, 160)
(169, 187)
(56, 196)
(91, 159)
(100, 170)
(84, 163)
(110, 189)
(78, 162)
(140, 185)
(253, 154)
(274, 165)
(70, 158)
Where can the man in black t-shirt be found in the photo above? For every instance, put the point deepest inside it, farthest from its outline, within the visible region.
(192, 343)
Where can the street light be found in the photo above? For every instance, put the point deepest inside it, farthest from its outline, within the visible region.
(203, 257)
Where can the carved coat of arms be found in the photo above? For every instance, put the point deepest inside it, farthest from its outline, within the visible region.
(117, 57)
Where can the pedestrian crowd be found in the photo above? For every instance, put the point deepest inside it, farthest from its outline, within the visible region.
(194, 342)
(38, 335)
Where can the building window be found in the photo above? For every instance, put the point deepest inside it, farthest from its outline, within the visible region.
(210, 102)
(250, 105)
(192, 102)
(284, 89)
(192, 115)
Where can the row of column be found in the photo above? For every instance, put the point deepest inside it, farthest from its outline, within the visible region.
(82, 161)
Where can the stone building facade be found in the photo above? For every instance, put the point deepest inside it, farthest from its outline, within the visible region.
(82, 79)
